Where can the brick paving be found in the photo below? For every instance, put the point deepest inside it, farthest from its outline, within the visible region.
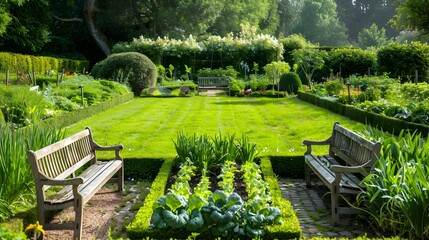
(312, 207)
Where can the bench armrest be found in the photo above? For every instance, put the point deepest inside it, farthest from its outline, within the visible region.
(62, 182)
(309, 143)
(116, 148)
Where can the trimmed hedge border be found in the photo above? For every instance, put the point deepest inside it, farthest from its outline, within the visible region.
(393, 125)
(75, 116)
(139, 228)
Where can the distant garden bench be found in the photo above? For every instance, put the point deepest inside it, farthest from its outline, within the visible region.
(213, 83)
(56, 165)
(358, 155)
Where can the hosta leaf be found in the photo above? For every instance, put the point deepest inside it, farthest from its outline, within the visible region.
(158, 219)
(195, 202)
(270, 213)
(254, 231)
(218, 198)
(160, 203)
(234, 199)
(196, 221)
(176, 220)
(175, 201)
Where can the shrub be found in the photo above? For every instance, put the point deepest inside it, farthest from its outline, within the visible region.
(402, 60)
(132, 68)
(236, 87)
(95, 72)
(333, 87)
(291, 43)
(350, 61)
(290, 82)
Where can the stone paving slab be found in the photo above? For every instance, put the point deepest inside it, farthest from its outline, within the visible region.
(312, 207)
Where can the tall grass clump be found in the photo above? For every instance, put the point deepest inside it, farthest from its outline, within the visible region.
(397, 194)
(206, 152)
(17, 190)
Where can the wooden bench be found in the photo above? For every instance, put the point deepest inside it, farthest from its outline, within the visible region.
(357, 154)
(56, 165)
(213, 83)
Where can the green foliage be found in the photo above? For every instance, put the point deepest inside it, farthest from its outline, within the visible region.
(308, 61)
(291, 43)
(205, 152)
(397, 191)
(131, 68)
(372, 37)
(261, 49)
(411, 15)
(290, 82)
(6, 233)
(26, 63)
(229, 71)
(349, 61)
(236, 87)
(402, 60)
(15, 173)
(21, 106)
(320, 24)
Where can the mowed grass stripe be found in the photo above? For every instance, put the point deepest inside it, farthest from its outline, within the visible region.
(148, 126)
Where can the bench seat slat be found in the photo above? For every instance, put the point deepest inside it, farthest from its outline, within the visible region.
(94, 178)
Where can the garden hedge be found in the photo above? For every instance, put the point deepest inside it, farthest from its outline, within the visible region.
(393, 125)
(402, 60)
(349, 61)
(26, 63)
(212, 52)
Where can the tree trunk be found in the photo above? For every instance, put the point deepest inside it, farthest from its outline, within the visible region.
(97, 35)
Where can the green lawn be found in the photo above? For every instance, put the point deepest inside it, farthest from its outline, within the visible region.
(147, 126)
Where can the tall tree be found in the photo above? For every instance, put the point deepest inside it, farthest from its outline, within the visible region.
(234, 12)
(289, 15)
(413, 15)
(372, 37)
(25, 24)
(320, 24)
(359, 14)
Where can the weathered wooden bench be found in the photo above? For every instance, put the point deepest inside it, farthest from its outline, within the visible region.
(56, 165)
(357, 156)
(213, 83)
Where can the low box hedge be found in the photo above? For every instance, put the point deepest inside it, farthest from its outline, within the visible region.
(393, 125)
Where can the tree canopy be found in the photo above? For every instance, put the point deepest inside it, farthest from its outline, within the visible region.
(413, 15)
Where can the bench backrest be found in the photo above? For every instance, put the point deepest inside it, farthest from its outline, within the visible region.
(213, 81)
(63, 158)
(352, 148)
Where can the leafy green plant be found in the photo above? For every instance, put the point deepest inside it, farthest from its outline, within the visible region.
(247, 150)
(397, 193)
(227, 174)
(15, 172)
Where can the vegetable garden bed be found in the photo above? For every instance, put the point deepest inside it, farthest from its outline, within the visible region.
(213, 207)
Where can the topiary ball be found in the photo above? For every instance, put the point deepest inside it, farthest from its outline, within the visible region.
(290, 82)
(132, 68)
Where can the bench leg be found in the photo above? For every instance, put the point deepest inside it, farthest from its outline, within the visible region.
(121, 179)
(334, 204)
(307, 176)
(78, 208)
